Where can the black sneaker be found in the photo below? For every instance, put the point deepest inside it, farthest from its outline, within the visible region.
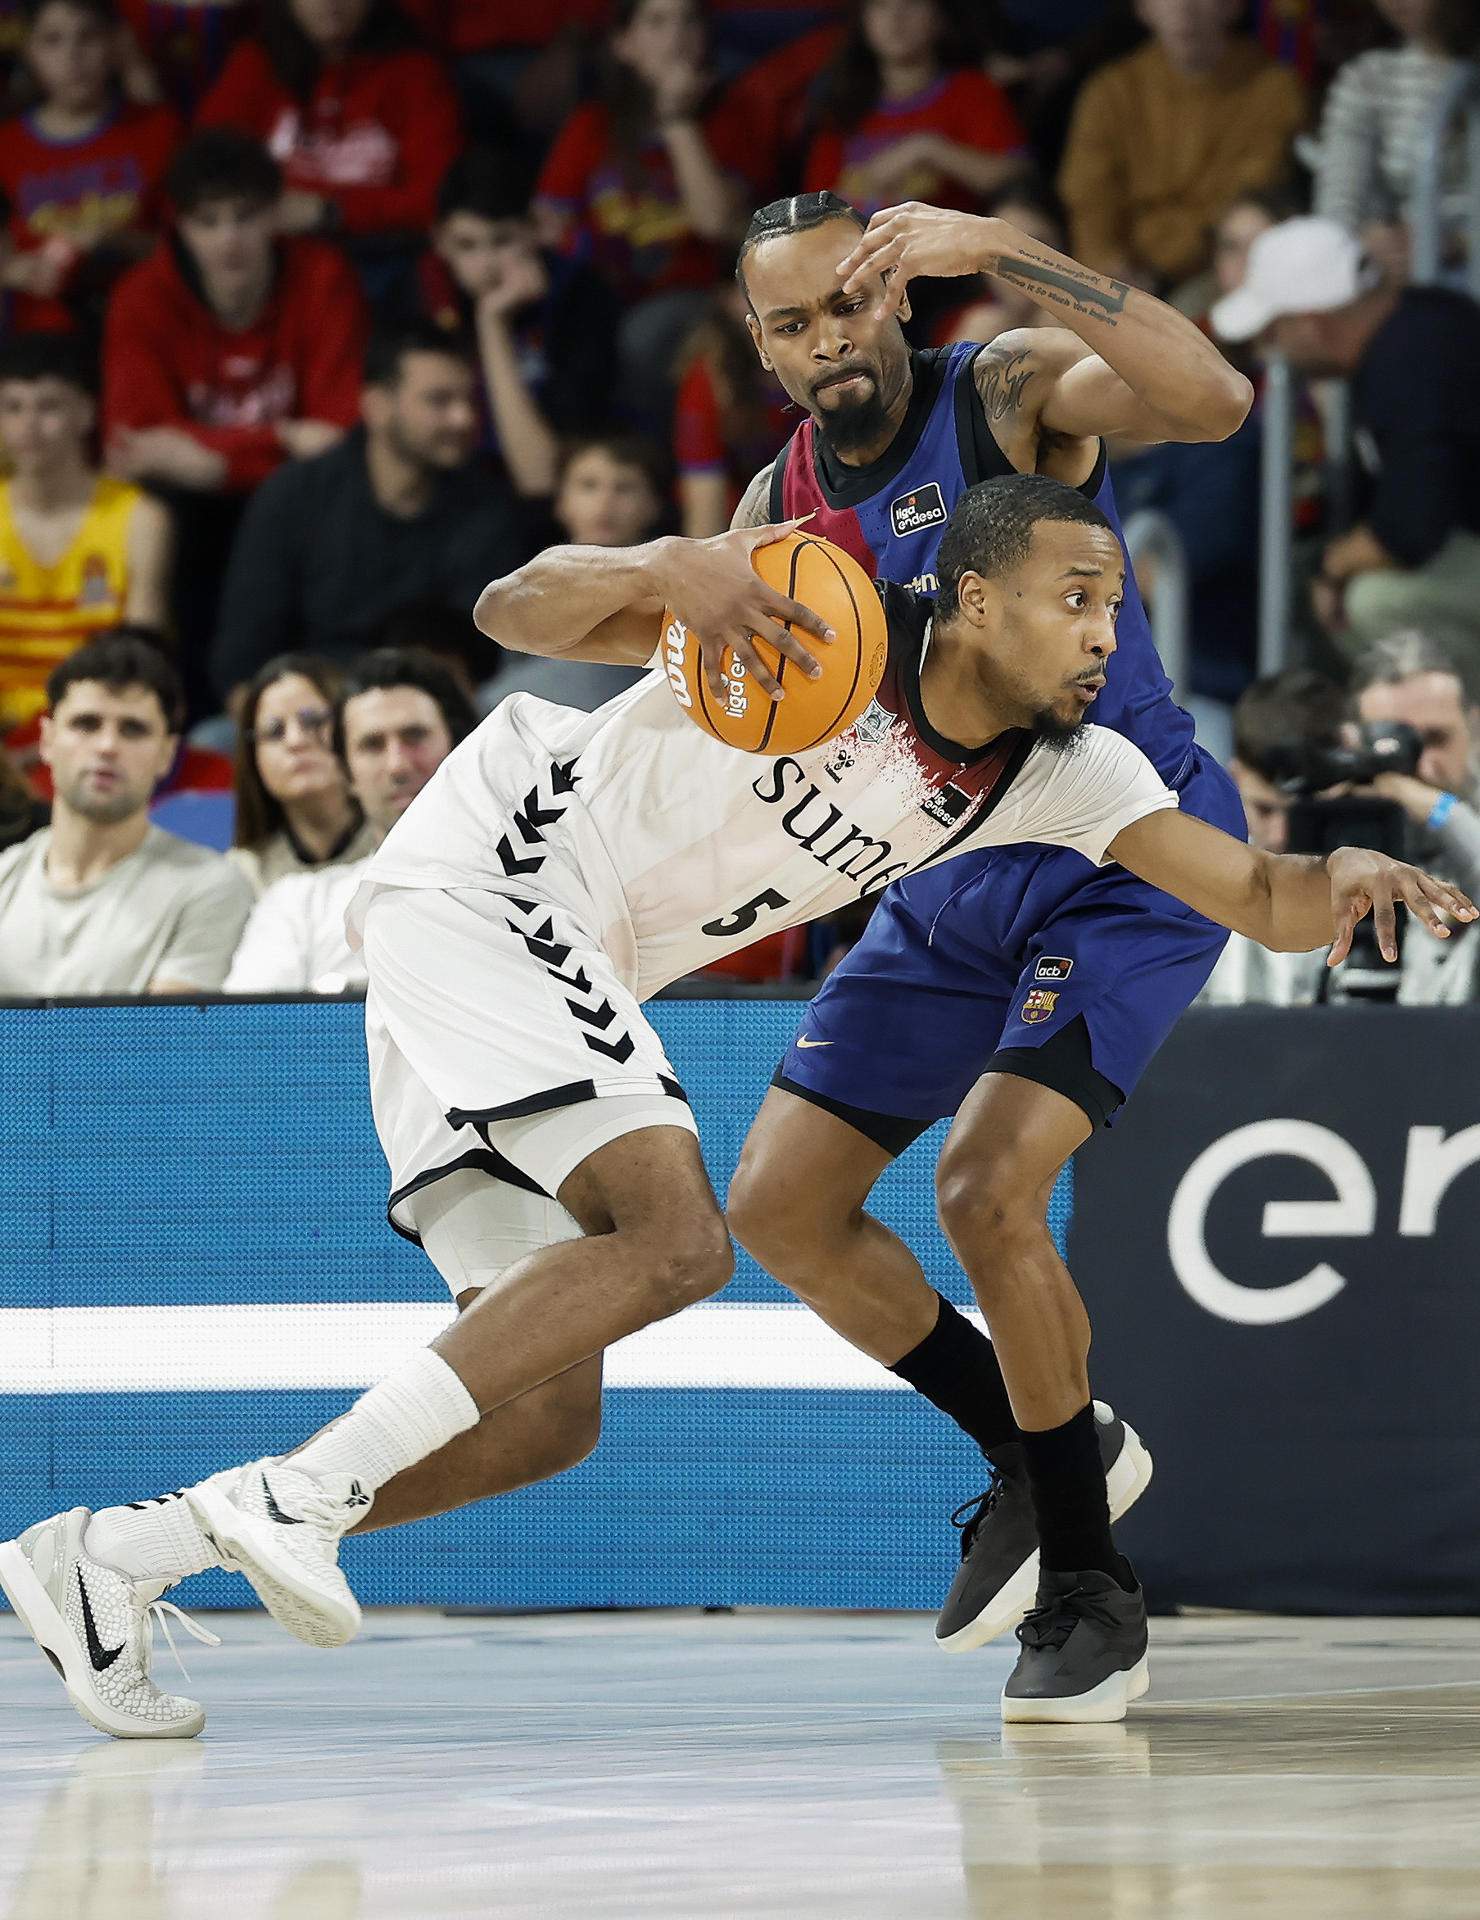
(998, 1575)
(1083, 1652)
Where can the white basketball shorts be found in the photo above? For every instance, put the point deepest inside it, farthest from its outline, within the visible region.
(501, 1040)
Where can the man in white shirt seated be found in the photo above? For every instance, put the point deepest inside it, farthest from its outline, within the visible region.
(400, 715)
(101, 901)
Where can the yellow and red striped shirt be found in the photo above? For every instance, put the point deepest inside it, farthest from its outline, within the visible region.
(47, 612)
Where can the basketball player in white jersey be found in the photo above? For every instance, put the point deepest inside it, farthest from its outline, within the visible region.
(558, 870)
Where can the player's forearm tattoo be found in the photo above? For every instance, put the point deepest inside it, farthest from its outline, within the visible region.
(1001, 376)
(1090, 294)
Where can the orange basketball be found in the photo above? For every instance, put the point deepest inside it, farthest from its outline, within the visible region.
(833, 585)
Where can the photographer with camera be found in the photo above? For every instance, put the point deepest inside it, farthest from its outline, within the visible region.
(1277, 724)
(1312, 778)
(1280, 724)
(1426, 683)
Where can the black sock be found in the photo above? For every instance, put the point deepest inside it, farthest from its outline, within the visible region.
(955, 1367)
(1067, 1479)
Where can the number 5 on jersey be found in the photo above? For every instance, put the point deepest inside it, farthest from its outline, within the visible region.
(743, 918)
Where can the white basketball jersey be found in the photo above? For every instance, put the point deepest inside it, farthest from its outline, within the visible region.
(672, 850)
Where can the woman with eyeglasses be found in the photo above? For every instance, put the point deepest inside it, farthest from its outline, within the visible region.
(294, 811)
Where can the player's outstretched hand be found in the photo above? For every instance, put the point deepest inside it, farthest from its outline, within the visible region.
(720, 597)
(914, 239)
(1364, 882)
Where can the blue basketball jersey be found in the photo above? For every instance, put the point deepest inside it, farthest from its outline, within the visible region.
(890, 516)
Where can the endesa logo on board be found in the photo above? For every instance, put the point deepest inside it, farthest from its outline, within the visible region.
(1433, 1160)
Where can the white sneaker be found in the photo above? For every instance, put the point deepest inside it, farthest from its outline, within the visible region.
(282, 1529)
(96, 1628)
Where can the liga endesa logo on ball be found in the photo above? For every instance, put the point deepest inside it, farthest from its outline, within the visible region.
(737, 704)
(835, 587)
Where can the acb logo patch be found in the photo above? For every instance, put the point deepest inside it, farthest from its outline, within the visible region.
(1039, 1005)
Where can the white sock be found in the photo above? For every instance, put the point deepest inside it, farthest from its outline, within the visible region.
(413, 1412)
(158, 1539)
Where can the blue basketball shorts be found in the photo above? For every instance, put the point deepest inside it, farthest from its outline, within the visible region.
(985, 961)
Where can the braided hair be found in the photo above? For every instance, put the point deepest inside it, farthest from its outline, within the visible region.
(796, 213)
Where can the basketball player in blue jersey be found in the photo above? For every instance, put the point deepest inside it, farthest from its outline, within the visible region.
(1019, 990)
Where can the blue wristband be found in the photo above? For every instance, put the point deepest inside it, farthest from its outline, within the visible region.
(1440, 811)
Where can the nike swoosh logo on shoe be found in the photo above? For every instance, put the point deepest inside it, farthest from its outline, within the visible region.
(274, 1511)
(102, 1657)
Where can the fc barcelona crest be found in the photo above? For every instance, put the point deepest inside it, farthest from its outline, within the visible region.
(1039, 1005)
(95, 590)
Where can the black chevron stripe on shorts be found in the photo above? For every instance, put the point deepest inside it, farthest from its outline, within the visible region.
(594, 1012)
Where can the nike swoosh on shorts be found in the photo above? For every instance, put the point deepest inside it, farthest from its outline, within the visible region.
(803, 1041)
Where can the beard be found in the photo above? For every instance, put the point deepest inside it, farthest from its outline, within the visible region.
(1059, 735)
(431, 452)
(103, 810)
(856, 424)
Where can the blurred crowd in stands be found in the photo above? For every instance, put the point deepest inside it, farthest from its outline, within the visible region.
(315, 315)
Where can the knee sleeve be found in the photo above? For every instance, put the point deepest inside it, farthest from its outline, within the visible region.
(473, 1227)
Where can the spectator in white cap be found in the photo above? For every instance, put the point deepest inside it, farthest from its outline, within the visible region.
(1311, 294)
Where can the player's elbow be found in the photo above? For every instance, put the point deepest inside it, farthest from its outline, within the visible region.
(1223, 404)
(496, 614)
(485, 609)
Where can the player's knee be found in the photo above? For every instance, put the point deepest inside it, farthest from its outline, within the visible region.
(986, 1206)
(582, 1438)
(567, 1410)
(689, 1262)
(769, 1217)
(574, 1436)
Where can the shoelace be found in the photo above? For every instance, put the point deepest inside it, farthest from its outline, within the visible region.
(1051, 1625)
(157, 1612)
(969, 1516)
(335, 1516)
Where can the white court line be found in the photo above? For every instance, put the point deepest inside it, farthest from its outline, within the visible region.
(177, 1349)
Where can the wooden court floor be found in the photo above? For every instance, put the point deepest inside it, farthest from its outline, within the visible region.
(682, 1767)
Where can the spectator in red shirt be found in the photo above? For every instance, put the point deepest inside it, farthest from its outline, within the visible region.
(363, 122)
(228, 352)
(543, 324)
(908, 114)
(650, 183)
(230, 349)
(729, 420)
(83, 173)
